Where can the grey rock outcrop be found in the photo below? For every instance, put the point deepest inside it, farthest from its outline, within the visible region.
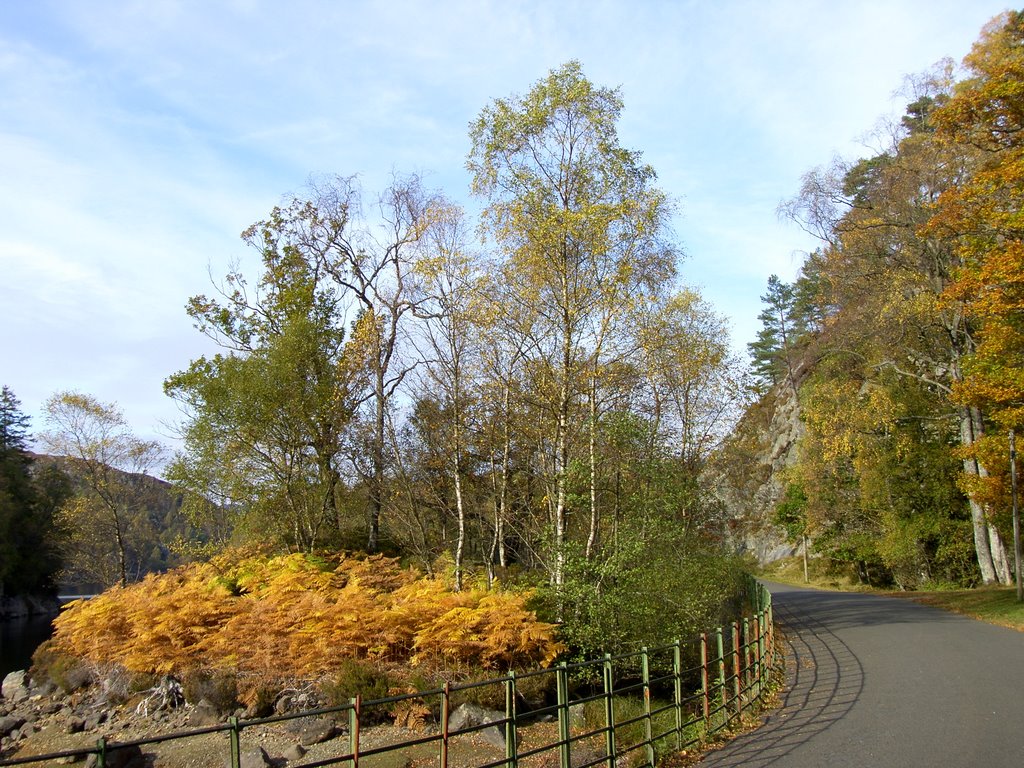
(21, 606)
(748, 473)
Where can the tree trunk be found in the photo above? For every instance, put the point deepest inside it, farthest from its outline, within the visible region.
(377, 479)
(460, 512)
(594, 521)
(122, 557)
(988, 544)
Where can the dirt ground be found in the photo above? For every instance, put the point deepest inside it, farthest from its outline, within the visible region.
(279, 742)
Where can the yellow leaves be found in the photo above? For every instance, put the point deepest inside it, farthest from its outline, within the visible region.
(487, 629)
(298, 615)
(984, 213)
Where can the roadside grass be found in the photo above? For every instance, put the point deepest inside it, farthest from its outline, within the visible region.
(996, 605)
(992, 604)
(790, 571)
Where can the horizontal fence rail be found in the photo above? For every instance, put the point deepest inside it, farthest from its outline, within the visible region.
(627, 709)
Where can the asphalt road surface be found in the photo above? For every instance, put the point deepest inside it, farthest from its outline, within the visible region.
(880, 681)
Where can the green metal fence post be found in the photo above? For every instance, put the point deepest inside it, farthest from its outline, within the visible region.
(705, 681)
(511, 736)
(562, 679)
(609, 711)
(758, 653)
(353, 731)
(101, 753)
(748, 662)
(645, 669)
(235, 739)
(736, 668)
(677, 679)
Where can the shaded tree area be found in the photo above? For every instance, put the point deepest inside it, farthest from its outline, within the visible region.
(31, 537)
(904, 330)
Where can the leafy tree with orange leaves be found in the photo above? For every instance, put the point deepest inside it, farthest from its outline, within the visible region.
(985, 213)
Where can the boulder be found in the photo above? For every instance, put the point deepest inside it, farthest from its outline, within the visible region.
(252, 758)
(9, 724)
(294, 752)
(470, 715)
(14, 687)
(314, 730)
(95, 720)
(119, 757)
(204, 714)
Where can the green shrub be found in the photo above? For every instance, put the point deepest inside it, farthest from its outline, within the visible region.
(68, 673)
(218, 687)
(355, 677)
(655, 586)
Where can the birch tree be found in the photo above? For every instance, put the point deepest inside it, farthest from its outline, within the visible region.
(112, 463)
(576, 214)
(374, 264)
(450, 284)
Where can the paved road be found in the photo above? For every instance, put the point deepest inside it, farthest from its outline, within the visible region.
(879, 681)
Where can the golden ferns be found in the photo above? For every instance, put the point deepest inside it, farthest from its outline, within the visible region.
(301, 616)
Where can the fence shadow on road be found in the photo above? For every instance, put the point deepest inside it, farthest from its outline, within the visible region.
(824, 680)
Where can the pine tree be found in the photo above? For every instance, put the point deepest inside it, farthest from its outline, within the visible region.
(771, 353)
(13, 423)
(29, 538)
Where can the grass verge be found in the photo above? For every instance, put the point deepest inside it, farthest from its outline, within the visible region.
(996, 605)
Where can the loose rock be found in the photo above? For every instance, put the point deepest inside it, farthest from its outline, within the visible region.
(294, 752)
(123, 757)
(9, 723)
(14, 688)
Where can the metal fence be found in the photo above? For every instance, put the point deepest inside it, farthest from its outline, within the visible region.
(628, 709)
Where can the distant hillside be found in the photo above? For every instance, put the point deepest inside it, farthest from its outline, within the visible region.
(154, 525)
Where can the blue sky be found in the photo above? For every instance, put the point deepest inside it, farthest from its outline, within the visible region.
(138, 139)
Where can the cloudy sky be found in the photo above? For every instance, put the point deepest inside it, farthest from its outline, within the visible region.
(139, 138)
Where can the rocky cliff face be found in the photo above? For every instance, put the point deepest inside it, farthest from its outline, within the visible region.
(21, 606)
(749, 472)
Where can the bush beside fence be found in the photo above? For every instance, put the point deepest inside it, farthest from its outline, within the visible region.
(634, 707)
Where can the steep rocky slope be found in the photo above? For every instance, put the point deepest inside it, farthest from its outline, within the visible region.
(749, 471)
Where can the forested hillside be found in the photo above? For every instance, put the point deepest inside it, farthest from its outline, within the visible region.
(902, 338)
(81, 521)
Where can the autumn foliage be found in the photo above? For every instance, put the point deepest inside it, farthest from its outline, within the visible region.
(301, 616)
(986, 113)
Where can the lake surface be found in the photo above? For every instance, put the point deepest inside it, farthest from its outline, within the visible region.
(18, 640)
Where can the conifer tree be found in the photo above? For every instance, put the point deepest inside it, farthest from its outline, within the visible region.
(772, 352)
(29, 536)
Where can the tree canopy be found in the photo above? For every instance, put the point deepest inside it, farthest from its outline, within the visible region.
(908, 327)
